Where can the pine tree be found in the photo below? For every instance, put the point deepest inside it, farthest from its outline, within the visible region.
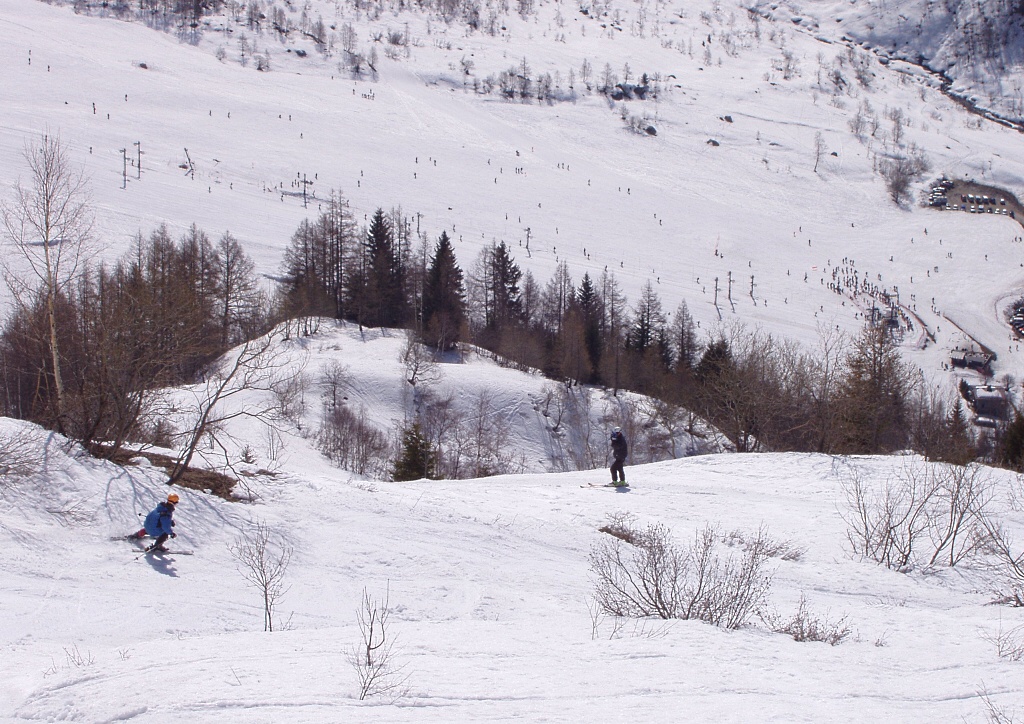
(505, 304)
(1010, 450)
(385, 303)
(959, 443)
(648, 325)
(715, 362)
(419, 459)
(873, 395)
(444, 298)
(589, 304)
(684, 338)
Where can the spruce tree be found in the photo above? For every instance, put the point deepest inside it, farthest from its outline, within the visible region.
(444, 298)
(385, 303)
(1011, 444)
(589, 304)
(418, 459)
(505, 300)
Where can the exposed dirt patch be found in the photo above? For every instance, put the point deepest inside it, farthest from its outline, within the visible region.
(193, 478)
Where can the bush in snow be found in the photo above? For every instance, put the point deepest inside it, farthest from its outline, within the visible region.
(22, 453)
(925, 514)
(806, 626)
(653, 575)
(351, 442)
(1009, 643)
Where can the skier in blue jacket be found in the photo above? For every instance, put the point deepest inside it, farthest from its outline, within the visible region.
(159, 524)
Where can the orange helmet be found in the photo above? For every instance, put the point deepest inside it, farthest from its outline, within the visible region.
(173, 498)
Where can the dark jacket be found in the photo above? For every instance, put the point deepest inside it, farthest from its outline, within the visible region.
(619, 447)
(159, 521)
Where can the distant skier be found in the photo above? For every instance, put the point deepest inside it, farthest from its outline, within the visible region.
(619, 451)
(159, 524)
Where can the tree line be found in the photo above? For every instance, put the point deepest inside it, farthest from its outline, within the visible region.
(87, 345)
(847, 396)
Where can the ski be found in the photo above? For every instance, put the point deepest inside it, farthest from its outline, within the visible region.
(170, 553)
(606, 485)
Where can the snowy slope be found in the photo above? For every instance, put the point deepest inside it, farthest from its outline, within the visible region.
(489, 586)
(488, 582)
(672, 209)
(978, 45)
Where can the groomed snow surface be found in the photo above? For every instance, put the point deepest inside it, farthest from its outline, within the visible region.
(489, 588)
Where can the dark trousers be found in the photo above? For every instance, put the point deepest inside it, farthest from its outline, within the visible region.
(617, 472)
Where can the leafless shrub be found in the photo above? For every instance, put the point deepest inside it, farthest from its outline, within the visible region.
(642, 628)
(1009, 643)
(994, 713)
(783, 549)
(290, 392)
(960, 527)
(76, 658)
(1008, 558)
(805, 626)
(374, 657)
(262, 559)
(351, 442)
(655, 576)
(622, 526)
(924, 514)
(22, 454)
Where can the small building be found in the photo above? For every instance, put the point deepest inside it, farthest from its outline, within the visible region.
(972, 360)
(989, 402)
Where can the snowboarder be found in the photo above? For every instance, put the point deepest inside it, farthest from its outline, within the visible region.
(619, 451)
(159, 524)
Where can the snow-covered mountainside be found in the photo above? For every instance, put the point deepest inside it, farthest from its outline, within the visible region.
(743, 176)
(758, 200)
(978, 44)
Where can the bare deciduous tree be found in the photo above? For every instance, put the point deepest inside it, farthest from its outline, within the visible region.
(819, 149)
(263, 559)
(374, 658)
(420, 365)
(228, 394)
(49, 224)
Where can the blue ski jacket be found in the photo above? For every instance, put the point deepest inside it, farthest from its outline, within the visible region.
(159, 521)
